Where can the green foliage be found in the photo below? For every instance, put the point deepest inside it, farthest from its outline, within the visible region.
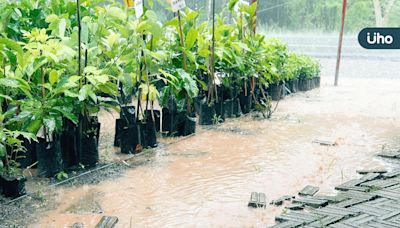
(61, 176)
(301, 67)
(41, 85)
(182, 86)
(306, 15)
(10, 149)
(217, 119)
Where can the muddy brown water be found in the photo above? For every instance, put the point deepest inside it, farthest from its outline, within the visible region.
(206, 180)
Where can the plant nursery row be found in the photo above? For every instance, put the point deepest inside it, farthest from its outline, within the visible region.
(62, 63)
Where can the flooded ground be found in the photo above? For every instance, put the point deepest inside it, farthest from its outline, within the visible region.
(206, 180)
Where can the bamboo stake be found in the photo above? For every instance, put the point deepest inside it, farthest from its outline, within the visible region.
(212, 90)
(78, 15)
(82, 116)
(339, 53)
(182, 41)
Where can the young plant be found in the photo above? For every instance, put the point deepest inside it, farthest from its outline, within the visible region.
(11, 149)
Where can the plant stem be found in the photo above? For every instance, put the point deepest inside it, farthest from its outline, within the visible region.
(212, 90)
(6, 162)
(78, 15)
(44, 102)
(182, 41)
(141, 65)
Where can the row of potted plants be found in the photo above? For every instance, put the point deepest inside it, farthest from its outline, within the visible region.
(63, 62)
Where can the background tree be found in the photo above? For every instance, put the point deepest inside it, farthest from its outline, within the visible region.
(382, 14)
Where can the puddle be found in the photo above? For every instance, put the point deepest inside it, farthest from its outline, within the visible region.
(88, 204)
(206, 180)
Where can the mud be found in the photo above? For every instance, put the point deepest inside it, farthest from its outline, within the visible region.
(206, 180)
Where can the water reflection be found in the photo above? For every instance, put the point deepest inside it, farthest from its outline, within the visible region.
(206, 180)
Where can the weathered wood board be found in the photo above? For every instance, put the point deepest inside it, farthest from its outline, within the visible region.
(107, 222)
(309, 191)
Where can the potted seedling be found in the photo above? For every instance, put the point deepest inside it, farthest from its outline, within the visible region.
(187, 47)
(244, 18)
(177, 98)
(11, 148)
(87, 90)
(290, 72)
(277, 55)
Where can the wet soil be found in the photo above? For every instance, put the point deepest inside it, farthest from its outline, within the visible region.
(206, 180)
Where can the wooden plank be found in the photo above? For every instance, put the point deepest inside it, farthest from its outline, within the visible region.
(395, 187)
(390, 215)
(393, 206)
(295, 207)
(344, 187)
(390, 194)
(391, 154)
(371, 209)
(382, 224)
(392, 174)
(326, 221)
(289, 224)
(341, 225)
(262, 201)
(333, 210)
(382, 201)
(312, 202)
(280, 200)
(370, 177)
(395, 220)
(380, 183)
(366, 171)
(359, 220)
(253, 202)
(107, 222)
(351, 202)
(332, 199)
(353, 184)
(298, 217)
(359, 195)
(309, 191)
(78, 225)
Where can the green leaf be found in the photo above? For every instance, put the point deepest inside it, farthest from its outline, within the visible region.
(232, 4)
(50, 124)
(53, 77)
(3, 150)
(83, 92)
(61, 27)
(5, 97)
(192, 15)
(85, 33)
(191, 38)
(8, 82)
(34, 126)
(71, 116)
(13, 45)
(153, 93)
(37, 63)
(151, 4)
(51, 18)
(92, 96)
(74, 79)
(12, 58)
(102, 79)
